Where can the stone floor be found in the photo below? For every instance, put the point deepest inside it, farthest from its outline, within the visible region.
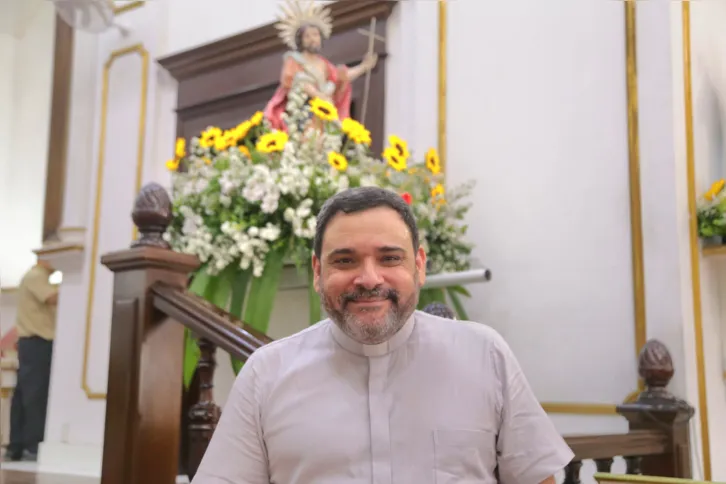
(21, 477)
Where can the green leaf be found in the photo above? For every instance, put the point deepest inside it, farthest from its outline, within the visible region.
(428, 296)
(459, 290)
(313, 298)
(263, 291)
(214, 289)
(458, 306)
(191, 349)
(240, 283)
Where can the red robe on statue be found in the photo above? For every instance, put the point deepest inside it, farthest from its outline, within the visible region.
(338, 75)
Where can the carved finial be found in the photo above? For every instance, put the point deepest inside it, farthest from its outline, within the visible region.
(655, 365)
(152, 215)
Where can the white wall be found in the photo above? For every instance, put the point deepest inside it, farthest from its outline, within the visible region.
(23, 150)
(540, 121)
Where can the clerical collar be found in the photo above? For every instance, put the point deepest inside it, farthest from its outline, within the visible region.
(398, 340)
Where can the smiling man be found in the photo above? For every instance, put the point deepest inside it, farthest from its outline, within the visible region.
(381, 393)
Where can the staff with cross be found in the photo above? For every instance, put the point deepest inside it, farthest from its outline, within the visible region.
(372, 37)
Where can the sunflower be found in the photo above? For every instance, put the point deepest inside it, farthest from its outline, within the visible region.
(243, 129)
(243, 149)
(433, 163)
(209, 137)
(230, 138)
(323, 109)
(272, 142)
(715, 189)
(172, 165)
(356, 131)
(337, 161)
(222, 142)
(256, 119)
(393, 158)
(362, 137)
(438, 191)
(350, 126)
(180, 150)
(400, 146)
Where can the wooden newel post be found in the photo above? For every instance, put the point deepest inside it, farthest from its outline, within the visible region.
(143, 405)
(658, 409)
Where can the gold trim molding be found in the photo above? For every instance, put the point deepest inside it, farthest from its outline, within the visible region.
(693, 236)
(127, 7)
(442, 83)
(141, 51)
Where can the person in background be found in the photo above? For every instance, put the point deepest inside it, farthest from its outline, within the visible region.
(381, 392)
(36, 318)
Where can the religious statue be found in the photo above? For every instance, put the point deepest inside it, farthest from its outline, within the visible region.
(303, 29)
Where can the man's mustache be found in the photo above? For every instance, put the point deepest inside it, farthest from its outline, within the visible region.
(376, 293)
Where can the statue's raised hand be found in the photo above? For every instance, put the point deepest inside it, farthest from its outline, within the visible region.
(369, 61)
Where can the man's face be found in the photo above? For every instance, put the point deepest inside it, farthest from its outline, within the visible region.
(311, 41)
(368, 274)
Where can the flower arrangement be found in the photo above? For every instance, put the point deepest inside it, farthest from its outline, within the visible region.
(245, 202)
(711, 211)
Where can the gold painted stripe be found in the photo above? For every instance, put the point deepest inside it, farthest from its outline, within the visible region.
(694, 245)
(137, 49)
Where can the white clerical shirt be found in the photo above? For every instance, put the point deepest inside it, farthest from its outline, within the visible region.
(442, 402)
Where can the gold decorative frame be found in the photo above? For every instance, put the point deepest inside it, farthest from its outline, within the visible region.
(140, 50)
(120, 9)
(442, 85)
(636, 226)
(693, 236)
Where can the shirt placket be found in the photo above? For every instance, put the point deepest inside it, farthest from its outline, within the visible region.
(378, 406)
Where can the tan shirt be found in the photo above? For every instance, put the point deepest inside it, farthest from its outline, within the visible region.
(441, 402)
(35, 317)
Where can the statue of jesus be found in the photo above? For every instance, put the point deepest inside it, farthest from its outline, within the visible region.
(303, 30)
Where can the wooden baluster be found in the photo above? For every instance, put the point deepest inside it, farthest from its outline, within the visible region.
(143, 404)
(604, 465)
(203, 415)
(572, 472)
(657, 409)
(632, 465)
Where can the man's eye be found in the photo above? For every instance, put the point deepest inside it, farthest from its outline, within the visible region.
(346, 260)
(391, 258)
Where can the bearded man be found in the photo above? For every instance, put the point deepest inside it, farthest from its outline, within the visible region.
(381, 393)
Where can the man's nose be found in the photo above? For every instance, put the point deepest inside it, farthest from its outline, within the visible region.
(369, 276)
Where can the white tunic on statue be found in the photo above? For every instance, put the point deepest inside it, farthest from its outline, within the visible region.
(442, 402)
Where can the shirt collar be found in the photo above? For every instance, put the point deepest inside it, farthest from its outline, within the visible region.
(381, 349)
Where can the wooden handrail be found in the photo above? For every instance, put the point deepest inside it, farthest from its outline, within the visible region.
(637, 442)
(208, 321)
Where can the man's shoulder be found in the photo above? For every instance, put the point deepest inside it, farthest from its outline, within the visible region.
(301, 339)
(443, 329)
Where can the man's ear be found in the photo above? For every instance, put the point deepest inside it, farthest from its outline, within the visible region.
(316, 273)
(421, 265)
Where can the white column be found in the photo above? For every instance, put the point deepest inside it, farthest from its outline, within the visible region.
(80, 154)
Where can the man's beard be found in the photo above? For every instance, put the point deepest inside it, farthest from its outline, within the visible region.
(378, 331)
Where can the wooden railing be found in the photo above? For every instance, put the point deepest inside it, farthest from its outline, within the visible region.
(144, 402)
